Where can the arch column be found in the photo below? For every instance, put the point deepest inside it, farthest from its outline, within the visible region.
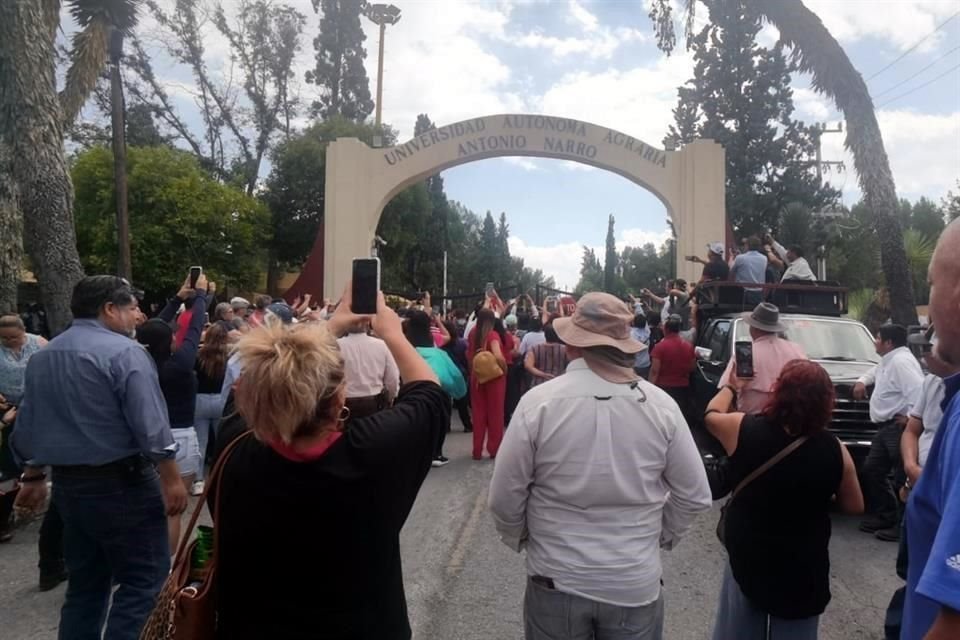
(699, 215)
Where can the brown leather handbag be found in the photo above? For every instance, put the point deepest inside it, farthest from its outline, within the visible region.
(186, 611)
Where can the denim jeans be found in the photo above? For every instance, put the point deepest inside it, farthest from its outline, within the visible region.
(738, 618)
(115, 534)
(206, 419)
(549, 614)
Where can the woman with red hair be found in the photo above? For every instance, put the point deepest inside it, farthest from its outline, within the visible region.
(785, 470)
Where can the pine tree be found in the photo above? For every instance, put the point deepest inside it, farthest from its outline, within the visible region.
(489, 258)
(339, 72)
(610, 260)
(740, 96)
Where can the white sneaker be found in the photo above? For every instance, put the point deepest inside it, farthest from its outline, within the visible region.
(197, 488)
(439, 461)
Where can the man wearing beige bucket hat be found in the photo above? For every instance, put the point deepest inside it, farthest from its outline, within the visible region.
(596, 473)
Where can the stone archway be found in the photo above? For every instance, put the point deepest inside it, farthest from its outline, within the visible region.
(361, 180)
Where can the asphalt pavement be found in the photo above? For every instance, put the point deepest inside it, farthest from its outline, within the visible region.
(462, 583)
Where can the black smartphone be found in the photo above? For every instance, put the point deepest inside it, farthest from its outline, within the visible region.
(366, 285)
(744, 353)
(551, 304)
(194, 276)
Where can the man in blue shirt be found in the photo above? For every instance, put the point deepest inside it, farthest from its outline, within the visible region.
(750, 267)
(93, 412)
(932, 608)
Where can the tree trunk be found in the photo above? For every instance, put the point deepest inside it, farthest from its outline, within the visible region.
(119, 141)
(31, 118)
(821, 55)
(11, 220)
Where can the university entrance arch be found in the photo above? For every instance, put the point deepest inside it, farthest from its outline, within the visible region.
(361, 180)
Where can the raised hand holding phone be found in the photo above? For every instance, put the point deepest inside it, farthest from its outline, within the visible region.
(365, 285)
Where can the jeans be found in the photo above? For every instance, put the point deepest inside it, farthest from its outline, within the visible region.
(738, 618)
(206, 420)
(894, 617)
(115, 534)
(884, 457)
(549, 614)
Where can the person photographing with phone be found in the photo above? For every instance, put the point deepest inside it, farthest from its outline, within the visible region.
(769, 354)
(337, 574)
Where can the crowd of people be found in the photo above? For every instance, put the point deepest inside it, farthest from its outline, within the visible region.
(324, 424)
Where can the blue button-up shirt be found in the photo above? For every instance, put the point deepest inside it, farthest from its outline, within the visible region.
(933, 525)
(91, 397)
(749, 267)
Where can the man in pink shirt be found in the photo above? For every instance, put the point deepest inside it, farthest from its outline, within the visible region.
(770, 354)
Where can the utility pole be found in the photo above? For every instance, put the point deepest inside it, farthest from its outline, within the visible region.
(117, 113)
(820, 163)
(381, 15)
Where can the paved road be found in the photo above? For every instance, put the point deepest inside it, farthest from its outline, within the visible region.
(463, 584)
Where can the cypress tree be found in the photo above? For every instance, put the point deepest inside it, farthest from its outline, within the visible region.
(339, 72)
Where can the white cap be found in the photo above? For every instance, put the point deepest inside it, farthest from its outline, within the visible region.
(239, 302)
(715, 247)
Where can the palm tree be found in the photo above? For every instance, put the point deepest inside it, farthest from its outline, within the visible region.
(31, 148)
(35, 187)
(818, 53)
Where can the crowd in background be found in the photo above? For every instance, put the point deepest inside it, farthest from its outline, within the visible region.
(597, 473)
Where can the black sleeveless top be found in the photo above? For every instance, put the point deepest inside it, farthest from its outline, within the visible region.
(778, 526)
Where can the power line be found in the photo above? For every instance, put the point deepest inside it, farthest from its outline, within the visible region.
(917, 44)
(915, 89)
(914, 76)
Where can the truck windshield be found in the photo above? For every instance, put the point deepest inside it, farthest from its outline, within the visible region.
(825, 339)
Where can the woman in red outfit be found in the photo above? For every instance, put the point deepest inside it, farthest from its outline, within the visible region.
(487, 400)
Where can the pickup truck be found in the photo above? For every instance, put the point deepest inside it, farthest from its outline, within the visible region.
(844, 347)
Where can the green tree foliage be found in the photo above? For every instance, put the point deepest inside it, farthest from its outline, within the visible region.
(951, 204)
(740, 96)
(610, 259)
(179, 216)
(294, 189)
(646, 266)
(339, 72)
(591, 272)
(927, 219)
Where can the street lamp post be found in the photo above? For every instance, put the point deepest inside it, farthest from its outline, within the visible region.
(381, 15)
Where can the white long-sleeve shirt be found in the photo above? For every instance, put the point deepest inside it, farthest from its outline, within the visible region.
(799, 269)
(368, 366)
(896, 382)
(592, 479)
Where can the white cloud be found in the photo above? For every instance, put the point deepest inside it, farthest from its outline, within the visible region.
(523, 162)
(562, 261)
(580, 14)
(637, 101)
(810, 105)
(902, 23)
(923, 150)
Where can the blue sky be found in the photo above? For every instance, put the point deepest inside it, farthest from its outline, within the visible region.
(596, 60)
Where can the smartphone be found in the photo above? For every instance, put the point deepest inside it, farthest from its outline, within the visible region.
(366, 285)
(744, 355)
(489, 288)
(194, 276)
(551, 304)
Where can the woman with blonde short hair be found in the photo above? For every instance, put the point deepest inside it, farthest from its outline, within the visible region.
(311, 511)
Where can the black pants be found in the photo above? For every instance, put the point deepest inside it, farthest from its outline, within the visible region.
(514, 391)
(51, 541)
(463, 410)
(882, 461)
(684, 400)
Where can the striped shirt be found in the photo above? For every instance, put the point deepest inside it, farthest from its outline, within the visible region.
(549, 357)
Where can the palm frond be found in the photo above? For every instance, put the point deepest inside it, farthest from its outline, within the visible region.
(858, 302)
(919, 249)
(121, 14)
(87, 58)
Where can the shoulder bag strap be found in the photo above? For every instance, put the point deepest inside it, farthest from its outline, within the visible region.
(756, 473)
(212, 482)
